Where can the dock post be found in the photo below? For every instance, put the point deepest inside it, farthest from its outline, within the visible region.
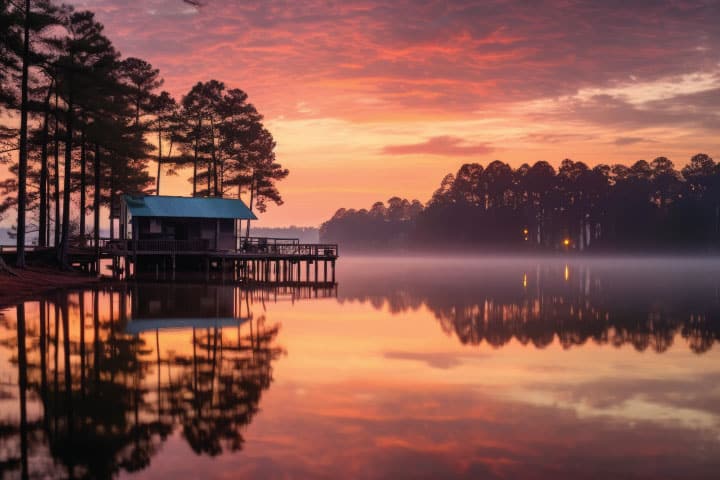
(173, 268)
(333, 271)
(316, 270)
(307, 271)
(324, 271)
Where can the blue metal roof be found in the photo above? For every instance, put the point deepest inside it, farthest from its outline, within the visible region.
(187, 207)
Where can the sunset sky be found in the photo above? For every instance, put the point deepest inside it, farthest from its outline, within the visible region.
(367, 100)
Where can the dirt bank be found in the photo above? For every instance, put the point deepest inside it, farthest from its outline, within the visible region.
(33, 281)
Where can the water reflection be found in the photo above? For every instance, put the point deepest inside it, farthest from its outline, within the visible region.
(104, 390)
(642, 303)
(167, 380)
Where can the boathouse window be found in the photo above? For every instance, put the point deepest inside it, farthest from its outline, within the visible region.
(155, 225)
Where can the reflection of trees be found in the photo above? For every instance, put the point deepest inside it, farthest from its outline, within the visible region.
(108, 399)
(497, 308)
(218, 390)
(542, 320)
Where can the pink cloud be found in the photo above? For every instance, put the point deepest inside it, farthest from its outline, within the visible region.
(299, 51)
(443, 145)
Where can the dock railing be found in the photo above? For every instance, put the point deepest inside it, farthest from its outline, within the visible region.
(286, 246)
(157, 245)
(250, 245)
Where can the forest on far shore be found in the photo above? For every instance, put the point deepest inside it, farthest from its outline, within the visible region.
(644, 207)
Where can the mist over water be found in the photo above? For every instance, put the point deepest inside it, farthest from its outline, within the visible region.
(417, 367)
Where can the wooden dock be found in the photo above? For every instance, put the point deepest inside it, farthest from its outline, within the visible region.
(258, 260)
(263, 260)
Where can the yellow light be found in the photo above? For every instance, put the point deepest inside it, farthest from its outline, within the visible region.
(525, 231)
(567, 273)
(524, 279)
(566, 242)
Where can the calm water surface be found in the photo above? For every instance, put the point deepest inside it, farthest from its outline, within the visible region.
(412, 368)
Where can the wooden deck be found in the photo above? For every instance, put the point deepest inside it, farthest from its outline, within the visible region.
(264, 260)
(255, 259)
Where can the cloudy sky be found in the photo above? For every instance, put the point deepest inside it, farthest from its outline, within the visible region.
(370, 99)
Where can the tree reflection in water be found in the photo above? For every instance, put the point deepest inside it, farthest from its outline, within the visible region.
(646, 307)
(108, 396)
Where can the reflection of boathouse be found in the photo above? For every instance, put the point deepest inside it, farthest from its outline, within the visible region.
(172, 305)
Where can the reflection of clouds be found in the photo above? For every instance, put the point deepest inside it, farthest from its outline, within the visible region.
(441, 360)
(427, 432)
(691, 402)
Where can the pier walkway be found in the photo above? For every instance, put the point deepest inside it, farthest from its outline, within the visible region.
(254, 259)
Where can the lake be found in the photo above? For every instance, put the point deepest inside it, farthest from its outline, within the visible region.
(408, 368)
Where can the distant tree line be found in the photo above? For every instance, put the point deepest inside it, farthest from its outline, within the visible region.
(91, 123)
(644, 207)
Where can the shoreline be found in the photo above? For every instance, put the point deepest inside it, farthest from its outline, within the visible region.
(34, 281)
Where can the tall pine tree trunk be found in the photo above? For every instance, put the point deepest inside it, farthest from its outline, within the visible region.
(214, 161)
(56, 193)
(209, 177)
(65, 237)
(22, 159)
(83, 181)
(252, 197)
(159, 162)
(112, 202)
(43, 216)
(96, 201)
(195, 160)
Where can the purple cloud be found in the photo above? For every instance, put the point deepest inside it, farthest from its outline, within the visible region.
(622, 141)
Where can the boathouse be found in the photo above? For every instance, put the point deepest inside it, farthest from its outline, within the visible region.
(161, 235)
(183, 223)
